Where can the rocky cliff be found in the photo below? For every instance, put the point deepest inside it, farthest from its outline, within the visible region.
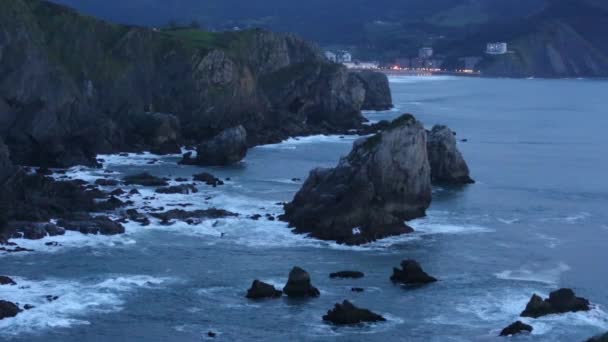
(384, 181)
(72, 86)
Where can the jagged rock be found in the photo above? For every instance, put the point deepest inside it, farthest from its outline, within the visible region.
(347, 274)
(94, 225)
(347, 313)
(4, 280)
(384, 181)
(111, 204)
(8, 309)
(516, 328)
(183, 189)
(35, 230)
(560, 301)
(226, 148)
(208, 179)
(411, 273)
(447, 164)
(377, 90)
(117, 192)
(262, 290)
(144, 179)
(135, 216)
(182, 215)
(299, 284)
(106, 182)
(599, 338)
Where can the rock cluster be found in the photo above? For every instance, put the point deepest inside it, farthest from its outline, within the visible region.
(346, 313)
(411, 273)
(516, 328)
(384, 181)
(347, 274)
(560, 301)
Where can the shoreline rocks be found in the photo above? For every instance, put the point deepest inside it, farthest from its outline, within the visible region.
(384, 181)
(348, 314)
(411, 273)
(208, 179)
(447, 164)
(377, 90)
(259, 290)
(8, 309)
(599, 338)
(299, 285)
(4, 280)
(516, 328)
(560, 301)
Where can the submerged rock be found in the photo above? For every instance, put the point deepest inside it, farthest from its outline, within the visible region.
(411, 273)
(93, 225)
(299, 284)
(8, 309)
(35, 230)
(384, 181)
(226, 148)
(4, 280)
(447, 164)
(145, 179)
(208, 179)
(347, 274)
(260, 290)
(516, 328)
(106, 182)
(183, 215)
(347, 313)
(183, 189)
(560, 301)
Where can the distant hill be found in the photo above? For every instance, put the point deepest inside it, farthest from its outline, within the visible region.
(537, 30)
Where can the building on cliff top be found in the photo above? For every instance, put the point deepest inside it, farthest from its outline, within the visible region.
(500, 48)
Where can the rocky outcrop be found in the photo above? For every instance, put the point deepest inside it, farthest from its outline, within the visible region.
(97, 225)
(560, 301)
(516, 328)
(259, 290)
(599, 338)
(74, 86)
(299, 285)
(411, 273)
(208, 179)
(8, 309)
(347, 274)
(4, 280)
(384, 181)
(183, 189)
(227, 148)
(346, 313)
(377, 90)
(447, 164)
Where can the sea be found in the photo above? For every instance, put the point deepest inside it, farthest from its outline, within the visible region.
(536, 220)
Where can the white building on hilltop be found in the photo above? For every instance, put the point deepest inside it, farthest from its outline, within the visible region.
(344, 57)
(497, 48)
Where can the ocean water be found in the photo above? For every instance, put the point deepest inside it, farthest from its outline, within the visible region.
(536, 220)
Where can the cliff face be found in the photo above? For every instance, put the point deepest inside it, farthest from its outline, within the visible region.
(71, 85)
(565, 40)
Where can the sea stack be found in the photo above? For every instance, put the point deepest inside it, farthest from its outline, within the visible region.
(384, 181)
(447, 164)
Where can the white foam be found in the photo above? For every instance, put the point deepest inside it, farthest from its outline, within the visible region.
(292, 143)
(535, 273)
(76, 299)
(419, 79)
(135, 159)
(570, 219)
